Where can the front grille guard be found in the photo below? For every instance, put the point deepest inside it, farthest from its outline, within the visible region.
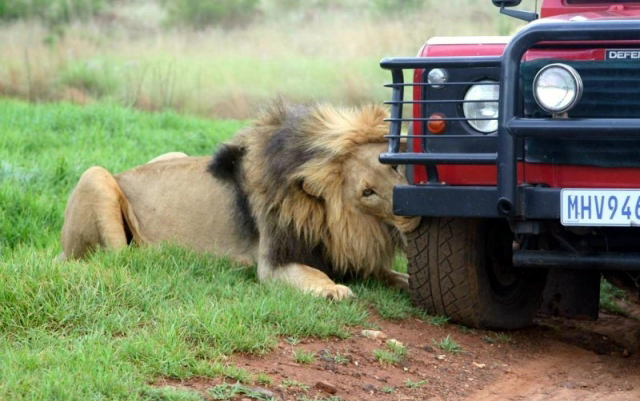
(511, 122)
(430, 159)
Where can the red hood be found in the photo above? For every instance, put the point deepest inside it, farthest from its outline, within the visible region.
(494, 46)
(596, 15)
(560, 8)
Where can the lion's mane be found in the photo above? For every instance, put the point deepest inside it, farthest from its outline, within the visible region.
(289, 166)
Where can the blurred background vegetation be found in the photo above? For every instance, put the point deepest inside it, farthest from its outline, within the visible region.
(220, 58)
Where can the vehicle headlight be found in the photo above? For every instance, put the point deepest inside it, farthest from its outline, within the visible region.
(436, 77)
(557, 88)
(483, 104)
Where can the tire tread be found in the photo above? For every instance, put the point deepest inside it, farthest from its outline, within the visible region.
(445, 279)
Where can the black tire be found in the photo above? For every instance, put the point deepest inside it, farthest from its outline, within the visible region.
(461, 268)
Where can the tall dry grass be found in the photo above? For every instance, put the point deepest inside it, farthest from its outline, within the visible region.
(129, 57)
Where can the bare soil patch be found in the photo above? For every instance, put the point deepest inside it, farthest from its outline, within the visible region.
(557, 359)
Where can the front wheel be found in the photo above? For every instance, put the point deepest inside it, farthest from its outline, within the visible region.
(462, 269)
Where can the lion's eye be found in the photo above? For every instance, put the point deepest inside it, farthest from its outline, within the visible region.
(368, 192)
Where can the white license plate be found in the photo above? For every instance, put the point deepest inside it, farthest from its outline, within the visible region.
(600, 207)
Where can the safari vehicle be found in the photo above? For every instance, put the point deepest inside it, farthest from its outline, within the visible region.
(523, 156)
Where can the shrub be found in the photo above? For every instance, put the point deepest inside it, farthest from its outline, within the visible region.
(94, 78)
(200, 14)
(397, 6)
(50, 11)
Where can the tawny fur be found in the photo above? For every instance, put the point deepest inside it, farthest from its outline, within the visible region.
(299, 192)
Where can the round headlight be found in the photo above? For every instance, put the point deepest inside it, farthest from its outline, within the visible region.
(483, 105)
(437, 76)
(557, 88)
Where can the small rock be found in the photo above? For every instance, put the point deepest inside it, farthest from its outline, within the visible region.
(428, 348)
(292, 364)
(373, 334)
(567, 384)
(327, 387)
(395, 342)
(368, 387)
(245, 399)
(479, 365)
(441, 357)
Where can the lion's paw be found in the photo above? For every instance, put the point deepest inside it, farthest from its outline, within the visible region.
(400, 281)
(334, 292)
(394, 279)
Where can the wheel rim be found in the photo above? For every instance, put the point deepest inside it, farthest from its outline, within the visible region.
(506, 283)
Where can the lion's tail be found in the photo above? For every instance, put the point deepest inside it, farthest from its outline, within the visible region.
(131, 221)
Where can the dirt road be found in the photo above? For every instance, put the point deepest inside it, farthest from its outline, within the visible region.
(557, 359)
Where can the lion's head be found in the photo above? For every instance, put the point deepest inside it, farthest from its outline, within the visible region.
(315, 185)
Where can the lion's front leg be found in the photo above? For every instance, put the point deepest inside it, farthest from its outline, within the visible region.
(301, 276)
(310, 280)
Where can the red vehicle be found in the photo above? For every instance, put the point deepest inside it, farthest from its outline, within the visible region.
(523, 156)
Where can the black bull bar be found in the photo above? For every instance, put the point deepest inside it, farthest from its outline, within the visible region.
(506, 199)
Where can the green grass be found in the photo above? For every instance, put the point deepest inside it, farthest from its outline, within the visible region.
(448, 344)
(263, 379)
(388, 302)
(437, 320)
(304, 357)
(608, 297)
(414, 385)
(338, 358)
(289, 383)
(392, 355)
(397, 348)
(226, 391)
(45, 148)
(293, 340)
(385, 357)
(107, 327)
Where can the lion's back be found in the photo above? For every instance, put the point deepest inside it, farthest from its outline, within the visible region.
(178, 200)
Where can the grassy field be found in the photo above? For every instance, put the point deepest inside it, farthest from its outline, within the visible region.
(109, 327)
(128, 56)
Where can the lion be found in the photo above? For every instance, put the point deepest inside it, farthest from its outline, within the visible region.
(299, 193)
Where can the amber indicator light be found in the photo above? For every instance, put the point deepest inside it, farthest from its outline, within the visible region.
(436, 124)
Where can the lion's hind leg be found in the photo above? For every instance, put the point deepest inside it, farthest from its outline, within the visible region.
(95, 215)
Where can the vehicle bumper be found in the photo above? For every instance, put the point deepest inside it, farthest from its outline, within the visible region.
(473, 201)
